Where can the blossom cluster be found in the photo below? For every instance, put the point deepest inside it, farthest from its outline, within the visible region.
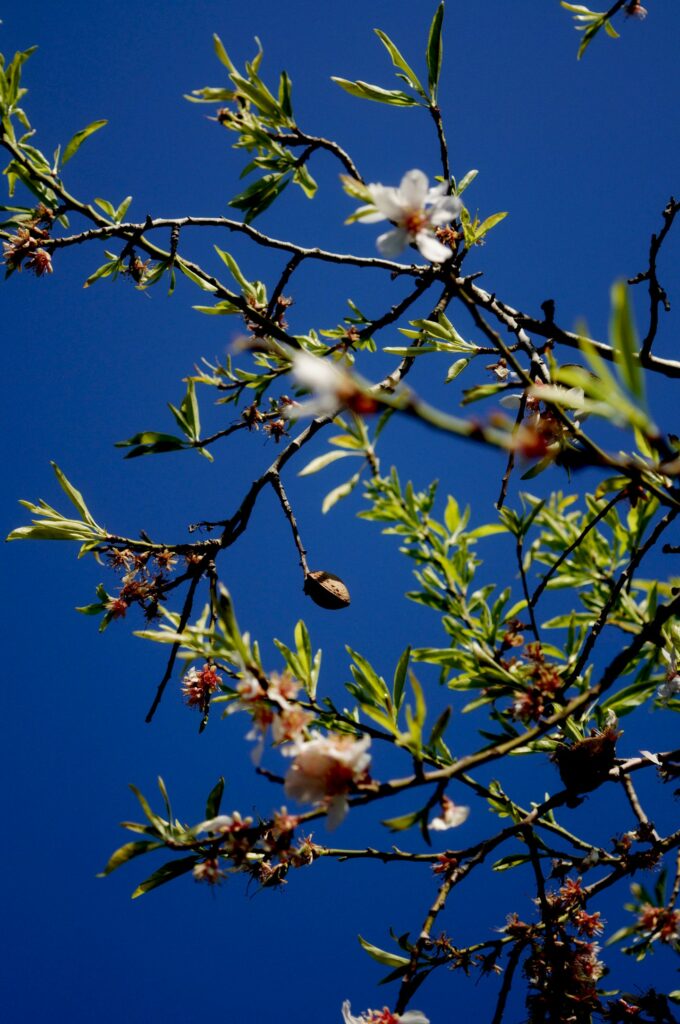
(26, 247)
(265, 851)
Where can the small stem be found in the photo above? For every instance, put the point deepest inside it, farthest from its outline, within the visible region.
(636, 806)
(511, 455)
(519, 551)
(572, 547)
(184, 618)
(275, 481)
(513, 960)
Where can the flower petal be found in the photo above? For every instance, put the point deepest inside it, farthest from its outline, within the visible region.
(347, 1015)
(413, 189)
(388, 201)
(431, 249)
(445, 210)
(392, 242)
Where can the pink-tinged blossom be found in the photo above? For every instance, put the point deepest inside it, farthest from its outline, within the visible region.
(452, 816)
(416, 211)
(289, 725)
(325, 769)
(208, 871)
(273, 707)
(383, 1016)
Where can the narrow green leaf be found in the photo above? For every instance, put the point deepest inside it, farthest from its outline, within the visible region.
(339, 492)
(127, 852)
(403, 821)
(624, 339)
(222, 54)
(387, 959)
(173, 869)
(321, 461)
(212, 806)
(107, 207)
(400, 678)
(76, 142)
(74, 496)
(366, 91)
(455, 369)
(399, 62)
(434, 51)
(193, 276)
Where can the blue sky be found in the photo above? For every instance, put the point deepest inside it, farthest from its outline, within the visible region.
(583, 156)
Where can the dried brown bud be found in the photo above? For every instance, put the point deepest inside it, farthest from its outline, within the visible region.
(583, 766)
(326, 590)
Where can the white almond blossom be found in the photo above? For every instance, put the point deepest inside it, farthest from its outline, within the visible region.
(416, 211)
(325, 769)
(452, 816)
(331, 387)
(383, 1016)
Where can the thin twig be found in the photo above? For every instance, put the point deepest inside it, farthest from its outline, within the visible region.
(616, 589)
(275, 481)
(657, 294)
(513, 960)
(572, 547)
(183, 619)
(511, 455)
(636, 806)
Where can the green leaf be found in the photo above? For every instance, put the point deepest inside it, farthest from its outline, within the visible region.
(144, 804)
(366, 91)
(127, 852)
(487, 224)
(74, 496)
(434, 51)
(122, 209)
(234, 269)
(166, 798)
(340, 492)
(387, 959)
(173, 869)
(107, 207)
(261, 194)
(76, 142)
(112, 268)
(222, 54)
(399, 62)
(150, 442)
(455, 369)
(285, 102)
(466, 180)
(624, 340)
(212, 806)
(321, 461)
(400, 678)
(193, 276)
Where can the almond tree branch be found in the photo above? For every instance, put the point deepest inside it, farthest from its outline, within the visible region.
(657, 294)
